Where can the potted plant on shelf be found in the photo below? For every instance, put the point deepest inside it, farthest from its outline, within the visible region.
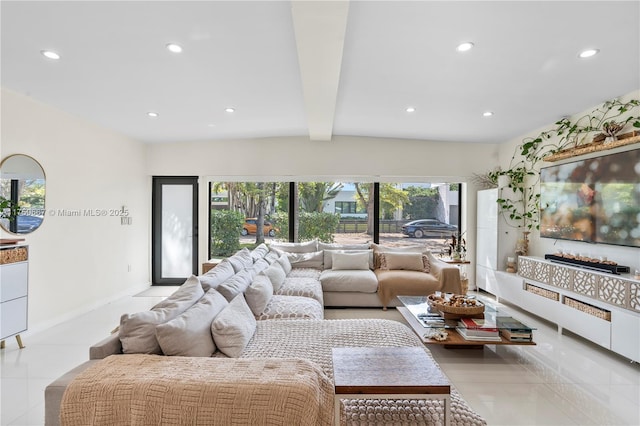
(457, 247)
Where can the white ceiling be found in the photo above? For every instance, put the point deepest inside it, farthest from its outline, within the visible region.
(322, 68)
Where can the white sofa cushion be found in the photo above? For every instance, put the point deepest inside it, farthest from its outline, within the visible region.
(284, 262)
(189, 334)
(259, 293)
(305, 247)
(138, 331)
(216, 276)
(292, 307)
(276, 275)
(364, 281)
(234, 327)
(306, 260)
(347, 260)
(235, 285)
(241, 260)
(259, 252)
(328, 256)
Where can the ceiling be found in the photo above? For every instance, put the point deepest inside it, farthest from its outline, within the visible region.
(321, 68)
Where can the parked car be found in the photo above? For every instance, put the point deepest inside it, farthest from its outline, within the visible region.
(423, 227)
(251, 227)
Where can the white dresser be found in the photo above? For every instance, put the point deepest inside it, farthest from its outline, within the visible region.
(14, 292)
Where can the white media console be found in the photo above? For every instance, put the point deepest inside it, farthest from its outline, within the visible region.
(601, 307)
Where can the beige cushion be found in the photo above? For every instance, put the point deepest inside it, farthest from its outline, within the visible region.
(216, 276)
(259, 252)
(138, 330)
(328, 257)
(234, 327)
(306, 260)
(272, 256)
(407, 261)
(378, 249)
(241, 260)
(355, 261)
(235, 285)
(259, 266)
(189, 334)
(338, 246)
(186, 295)
(305, 247)
(363, 281)
(284, 262)
(276, 275)
(259, 293)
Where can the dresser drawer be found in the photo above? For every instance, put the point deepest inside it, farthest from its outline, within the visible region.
(13, 317)
(13, 281)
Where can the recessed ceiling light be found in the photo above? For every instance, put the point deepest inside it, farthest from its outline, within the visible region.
(175, 48)
(588, 53)
(229, 109)
(153, 114)
(487, 113)
(50, 54)
(463, 47)
(410, 109)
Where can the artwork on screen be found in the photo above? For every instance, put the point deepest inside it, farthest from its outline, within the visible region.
(596, 200)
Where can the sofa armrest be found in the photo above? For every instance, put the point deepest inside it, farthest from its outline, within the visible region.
(108, 346)
(448, 275)
(54, 392)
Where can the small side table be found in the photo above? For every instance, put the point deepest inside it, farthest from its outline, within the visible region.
(464, 278)
(388, 373)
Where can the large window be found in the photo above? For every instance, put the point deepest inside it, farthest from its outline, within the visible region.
(341, 212)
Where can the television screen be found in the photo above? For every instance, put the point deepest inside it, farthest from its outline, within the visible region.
(596, 200)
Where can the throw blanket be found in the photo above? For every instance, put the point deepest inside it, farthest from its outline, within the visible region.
(313, 340)
(149, 389)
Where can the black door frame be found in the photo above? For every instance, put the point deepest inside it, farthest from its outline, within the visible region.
(156, 227)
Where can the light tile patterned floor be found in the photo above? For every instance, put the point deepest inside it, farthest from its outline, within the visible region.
(563, 380)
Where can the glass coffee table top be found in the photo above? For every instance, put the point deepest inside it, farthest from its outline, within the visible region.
(430, 317)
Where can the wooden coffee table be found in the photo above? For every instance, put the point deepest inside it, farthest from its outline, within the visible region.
(388, 373)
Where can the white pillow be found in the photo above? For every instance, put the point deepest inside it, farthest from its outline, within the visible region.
(216, 276)
(306, 260)
(328, 256)
(407, 261)
(189, 334)
(234, 327)
(259, 294)
(284, 262)
(235, 285)
(276, 275)
(350, 261)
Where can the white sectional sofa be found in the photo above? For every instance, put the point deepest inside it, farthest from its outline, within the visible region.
(264, 303)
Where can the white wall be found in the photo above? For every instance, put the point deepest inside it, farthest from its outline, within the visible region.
(540, 246)
(342, 159)
(77, 263)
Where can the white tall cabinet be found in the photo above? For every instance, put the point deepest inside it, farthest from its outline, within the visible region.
(14, 292)
(495, 240)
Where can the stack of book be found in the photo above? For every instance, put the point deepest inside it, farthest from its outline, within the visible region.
(513, 330)
(478, 329)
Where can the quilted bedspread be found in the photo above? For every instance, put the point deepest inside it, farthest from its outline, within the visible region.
(159, 390)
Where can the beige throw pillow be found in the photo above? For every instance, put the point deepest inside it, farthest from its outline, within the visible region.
(234, 327)
(407, 261)
(283, 260)
(276, 275)
(138, 331)
(235, 285)
(189, 334)
(216, 276)
(350, 261)
(259, 294)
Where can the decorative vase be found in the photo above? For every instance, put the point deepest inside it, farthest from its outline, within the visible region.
(522, 246)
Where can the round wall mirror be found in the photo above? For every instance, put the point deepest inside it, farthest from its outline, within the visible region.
(22, 191)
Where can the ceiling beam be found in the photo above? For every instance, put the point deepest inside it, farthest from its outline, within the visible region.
(320, 28)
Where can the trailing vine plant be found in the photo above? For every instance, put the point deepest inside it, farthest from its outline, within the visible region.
(522, 209)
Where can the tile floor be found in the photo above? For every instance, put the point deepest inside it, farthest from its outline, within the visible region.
(563, 380)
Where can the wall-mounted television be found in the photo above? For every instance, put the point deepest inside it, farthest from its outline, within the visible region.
(596, 200)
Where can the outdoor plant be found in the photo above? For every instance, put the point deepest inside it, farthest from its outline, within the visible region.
(8, 209)
(522, 208)
(225, 228)
(310, 226)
